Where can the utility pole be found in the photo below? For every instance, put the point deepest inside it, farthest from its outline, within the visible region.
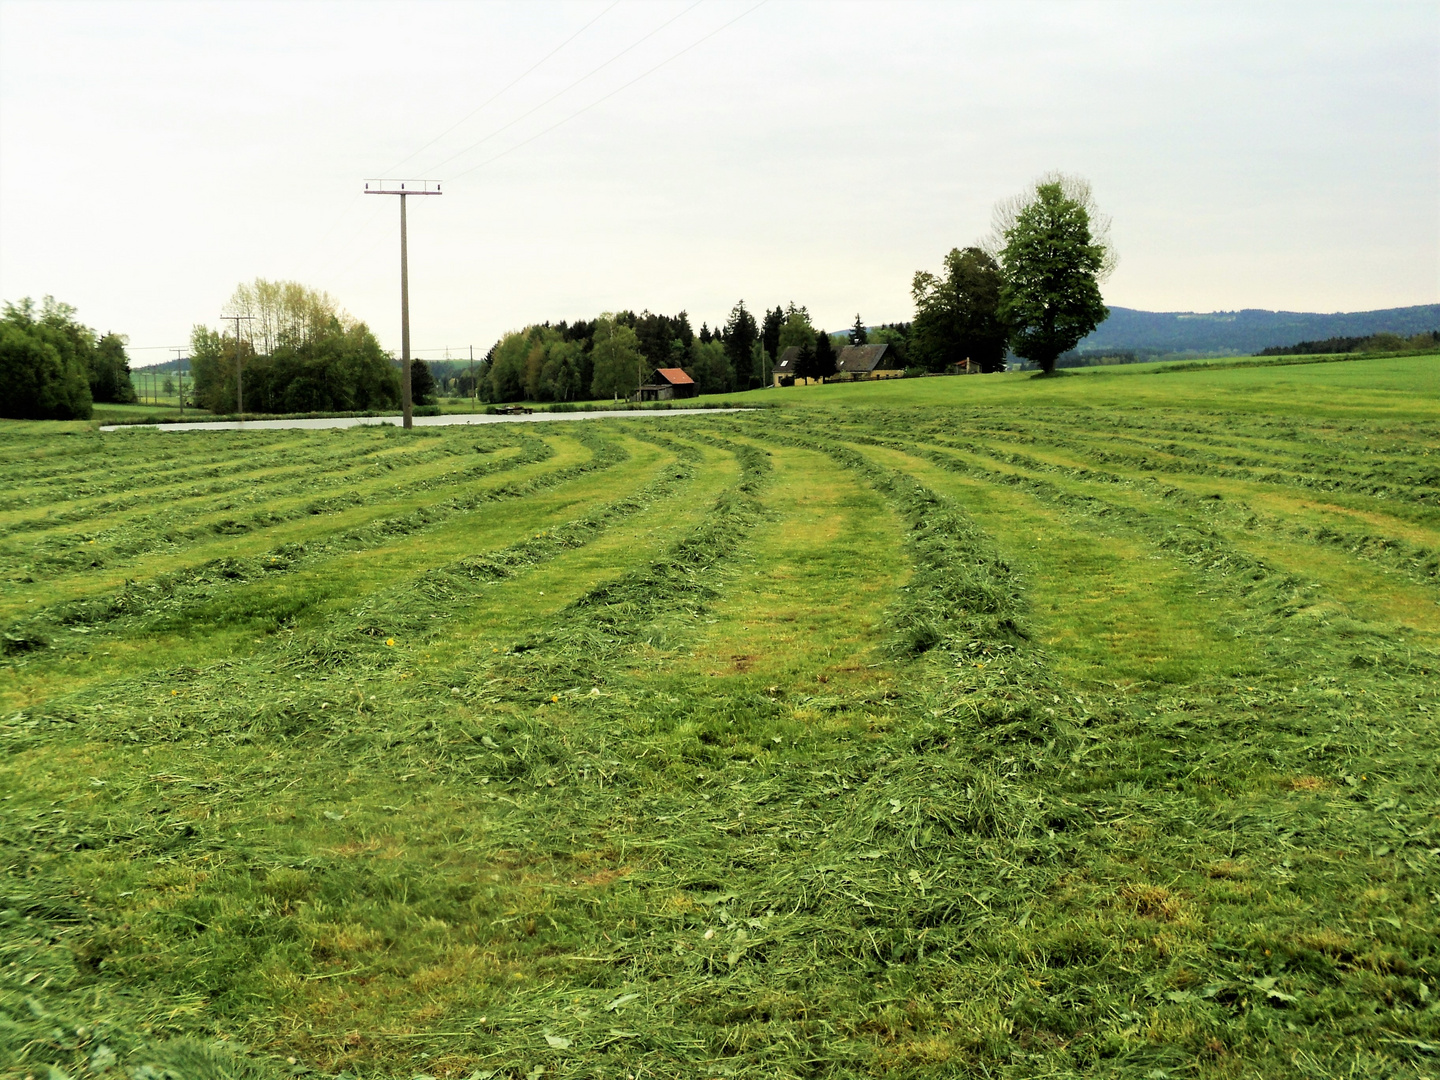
(404, 188)
(180, 379)
(474, 390)
(239, 386)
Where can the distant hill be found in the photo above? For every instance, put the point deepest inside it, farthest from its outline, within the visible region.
(1246, 332)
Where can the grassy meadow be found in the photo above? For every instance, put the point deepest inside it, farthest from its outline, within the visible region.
(996, 727)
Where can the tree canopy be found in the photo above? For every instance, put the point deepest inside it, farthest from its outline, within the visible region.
(797, 328)
(315, 357)
(957, 316)
(1054, 251)
(619, 365)
(53, 367)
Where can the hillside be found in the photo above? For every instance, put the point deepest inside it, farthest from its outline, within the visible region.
(1248, 331)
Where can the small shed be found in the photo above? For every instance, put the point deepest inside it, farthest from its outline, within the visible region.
(667, 383)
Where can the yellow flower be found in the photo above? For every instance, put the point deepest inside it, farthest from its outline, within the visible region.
(554, 697)
(390, 641)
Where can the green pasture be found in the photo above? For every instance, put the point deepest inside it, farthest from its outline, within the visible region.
(983, 727)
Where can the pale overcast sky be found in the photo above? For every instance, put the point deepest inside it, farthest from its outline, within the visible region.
(152, 156)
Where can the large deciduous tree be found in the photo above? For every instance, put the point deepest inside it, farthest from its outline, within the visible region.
(710, 367)
(617, 357)
(1054, 249)
(957, 313)
(797, 328)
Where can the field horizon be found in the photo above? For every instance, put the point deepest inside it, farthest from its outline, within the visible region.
(1001, 727)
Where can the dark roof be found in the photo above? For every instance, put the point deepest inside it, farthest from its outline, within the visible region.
(858, 359)
(674, 376)
(788, 360)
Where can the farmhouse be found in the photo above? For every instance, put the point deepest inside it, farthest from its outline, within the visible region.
(866, 362)
(667, 383)
(787, 364)
(855, 363)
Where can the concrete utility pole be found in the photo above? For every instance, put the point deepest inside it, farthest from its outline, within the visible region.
(180, 379)
(239, 385)
(404, 188)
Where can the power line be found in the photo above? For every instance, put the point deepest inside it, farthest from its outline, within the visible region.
(319, 268)
(491, 99)
(340, 276)
(595, 71)
(607, 97)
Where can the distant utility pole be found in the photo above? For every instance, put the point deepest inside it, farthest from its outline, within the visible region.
(403, 188)
(475, 390)
(239, 386)
(180, 379)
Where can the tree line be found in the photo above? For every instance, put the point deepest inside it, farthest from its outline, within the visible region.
(53, 367)
(1382, 342)
(613, 353)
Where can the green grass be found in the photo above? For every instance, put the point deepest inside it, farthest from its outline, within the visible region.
(943, 727)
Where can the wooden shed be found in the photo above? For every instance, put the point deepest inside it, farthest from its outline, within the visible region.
(667, 383)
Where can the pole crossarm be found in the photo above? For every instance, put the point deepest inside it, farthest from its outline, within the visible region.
(402, 187)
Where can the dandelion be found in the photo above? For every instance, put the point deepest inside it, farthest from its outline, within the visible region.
(390, 641)
(554, 697)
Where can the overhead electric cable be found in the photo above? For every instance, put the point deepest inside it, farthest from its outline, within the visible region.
(566, 90)
(356, 197)
(607, 97)
(491, 99)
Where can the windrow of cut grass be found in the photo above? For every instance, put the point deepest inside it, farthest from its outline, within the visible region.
(168, 522)
(419, 509)
(933, 739)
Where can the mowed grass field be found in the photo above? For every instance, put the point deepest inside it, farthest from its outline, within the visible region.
(947, 727)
